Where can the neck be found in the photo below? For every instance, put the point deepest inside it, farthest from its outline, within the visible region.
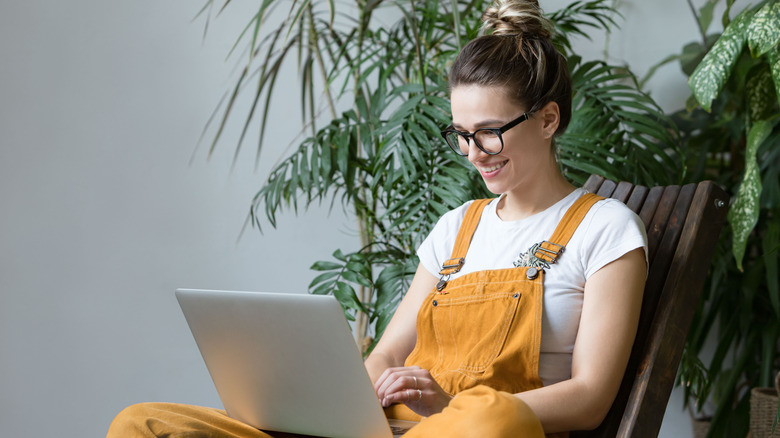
(536, 195)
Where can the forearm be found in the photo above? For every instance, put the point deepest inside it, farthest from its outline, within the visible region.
(401, 333)
(377, 363)
(567, 405)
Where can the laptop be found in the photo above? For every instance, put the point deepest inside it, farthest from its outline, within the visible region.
(286, 363)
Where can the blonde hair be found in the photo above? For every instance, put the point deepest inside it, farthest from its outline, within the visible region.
(516, 53)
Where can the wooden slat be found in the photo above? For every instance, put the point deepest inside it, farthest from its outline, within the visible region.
(622, 191)
(651, 202)
(658, 224)
(607, 188)
(637, 199)
(593, 183)
(672, 228)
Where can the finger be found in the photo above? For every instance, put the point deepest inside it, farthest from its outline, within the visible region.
(381, 380)
(406, 396)
(402, 390)
(400, 396)
(389, 378)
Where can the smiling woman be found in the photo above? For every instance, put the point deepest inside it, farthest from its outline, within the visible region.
(501, 333)
(483, 316)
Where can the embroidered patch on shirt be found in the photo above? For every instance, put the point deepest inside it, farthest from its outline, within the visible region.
(528, 259)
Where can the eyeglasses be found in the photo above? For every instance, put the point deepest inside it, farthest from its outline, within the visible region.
(488, 140)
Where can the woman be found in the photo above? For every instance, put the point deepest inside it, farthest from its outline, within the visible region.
(502, 333)
(515, 83)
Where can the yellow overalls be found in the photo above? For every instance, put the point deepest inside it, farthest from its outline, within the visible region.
(479, 336)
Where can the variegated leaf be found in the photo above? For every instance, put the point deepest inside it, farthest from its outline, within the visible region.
(774, 66)
(743, 213)
(764, 29)
(714, 70)
(760, 93)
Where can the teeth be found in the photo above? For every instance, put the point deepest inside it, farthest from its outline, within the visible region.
(491, 168)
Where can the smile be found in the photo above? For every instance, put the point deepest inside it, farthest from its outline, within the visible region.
(491, 168)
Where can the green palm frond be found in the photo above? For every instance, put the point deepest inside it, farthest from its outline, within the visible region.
(576, 18)
(617, 130)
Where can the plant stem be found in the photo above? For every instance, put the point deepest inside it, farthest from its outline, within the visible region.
(698, 24)
(417, 51)
(364, 227)
(321, 63)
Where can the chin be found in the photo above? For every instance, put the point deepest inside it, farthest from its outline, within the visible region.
(495, 189)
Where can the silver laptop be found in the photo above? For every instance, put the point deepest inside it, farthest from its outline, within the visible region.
(285, 362)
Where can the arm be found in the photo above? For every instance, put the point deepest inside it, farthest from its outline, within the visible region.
(400, 335)
(610, 313)
(393, 382)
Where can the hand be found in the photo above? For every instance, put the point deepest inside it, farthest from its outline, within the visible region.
(412, 386)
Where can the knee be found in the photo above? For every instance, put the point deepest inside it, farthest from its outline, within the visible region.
(490, 413)
(133, 421)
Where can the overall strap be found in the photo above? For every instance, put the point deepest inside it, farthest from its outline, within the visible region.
(550, 250)
(463, 240)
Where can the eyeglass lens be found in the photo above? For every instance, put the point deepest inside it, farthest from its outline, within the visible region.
(486, 139)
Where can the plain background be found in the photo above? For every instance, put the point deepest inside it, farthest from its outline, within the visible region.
(106, 205)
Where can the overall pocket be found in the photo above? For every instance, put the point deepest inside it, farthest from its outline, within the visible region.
(471, 330)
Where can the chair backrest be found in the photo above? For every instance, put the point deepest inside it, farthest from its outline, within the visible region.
(683, 225)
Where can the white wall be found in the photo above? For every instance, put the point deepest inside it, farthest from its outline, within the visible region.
(102, 216)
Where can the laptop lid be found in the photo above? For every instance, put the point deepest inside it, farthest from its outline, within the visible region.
(284, 362)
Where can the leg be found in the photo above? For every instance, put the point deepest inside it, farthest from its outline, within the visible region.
(176, 420)
(481, 412)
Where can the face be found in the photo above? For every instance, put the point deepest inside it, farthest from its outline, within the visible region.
(527, 146)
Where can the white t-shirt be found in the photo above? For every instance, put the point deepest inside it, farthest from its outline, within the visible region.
(608, 231)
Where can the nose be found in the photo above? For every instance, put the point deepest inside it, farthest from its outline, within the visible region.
(475, 153)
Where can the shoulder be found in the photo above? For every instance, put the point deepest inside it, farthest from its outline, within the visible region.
(454, 217)
(610, 213)
(609, 230)
(438, 245)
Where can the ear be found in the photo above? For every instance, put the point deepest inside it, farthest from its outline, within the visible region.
(550, 115)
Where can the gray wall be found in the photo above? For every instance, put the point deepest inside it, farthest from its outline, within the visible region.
(102, 214)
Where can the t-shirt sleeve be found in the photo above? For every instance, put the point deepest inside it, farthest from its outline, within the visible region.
(437, 246)
(612, 231)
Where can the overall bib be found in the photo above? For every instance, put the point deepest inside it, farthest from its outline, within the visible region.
(481, 333)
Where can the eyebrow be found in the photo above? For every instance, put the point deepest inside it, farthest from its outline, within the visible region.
(482, 124)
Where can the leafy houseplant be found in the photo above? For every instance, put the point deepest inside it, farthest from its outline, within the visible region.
(383, 158)
(730, 133)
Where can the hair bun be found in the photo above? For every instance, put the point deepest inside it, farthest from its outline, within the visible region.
(516, 17)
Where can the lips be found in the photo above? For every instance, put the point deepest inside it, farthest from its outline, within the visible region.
(491, 170)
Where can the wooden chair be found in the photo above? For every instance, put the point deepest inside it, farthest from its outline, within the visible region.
(683, 225)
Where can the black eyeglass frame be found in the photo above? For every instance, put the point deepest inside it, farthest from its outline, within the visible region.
(472, 135)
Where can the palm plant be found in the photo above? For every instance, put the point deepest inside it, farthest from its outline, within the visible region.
(383, 158)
